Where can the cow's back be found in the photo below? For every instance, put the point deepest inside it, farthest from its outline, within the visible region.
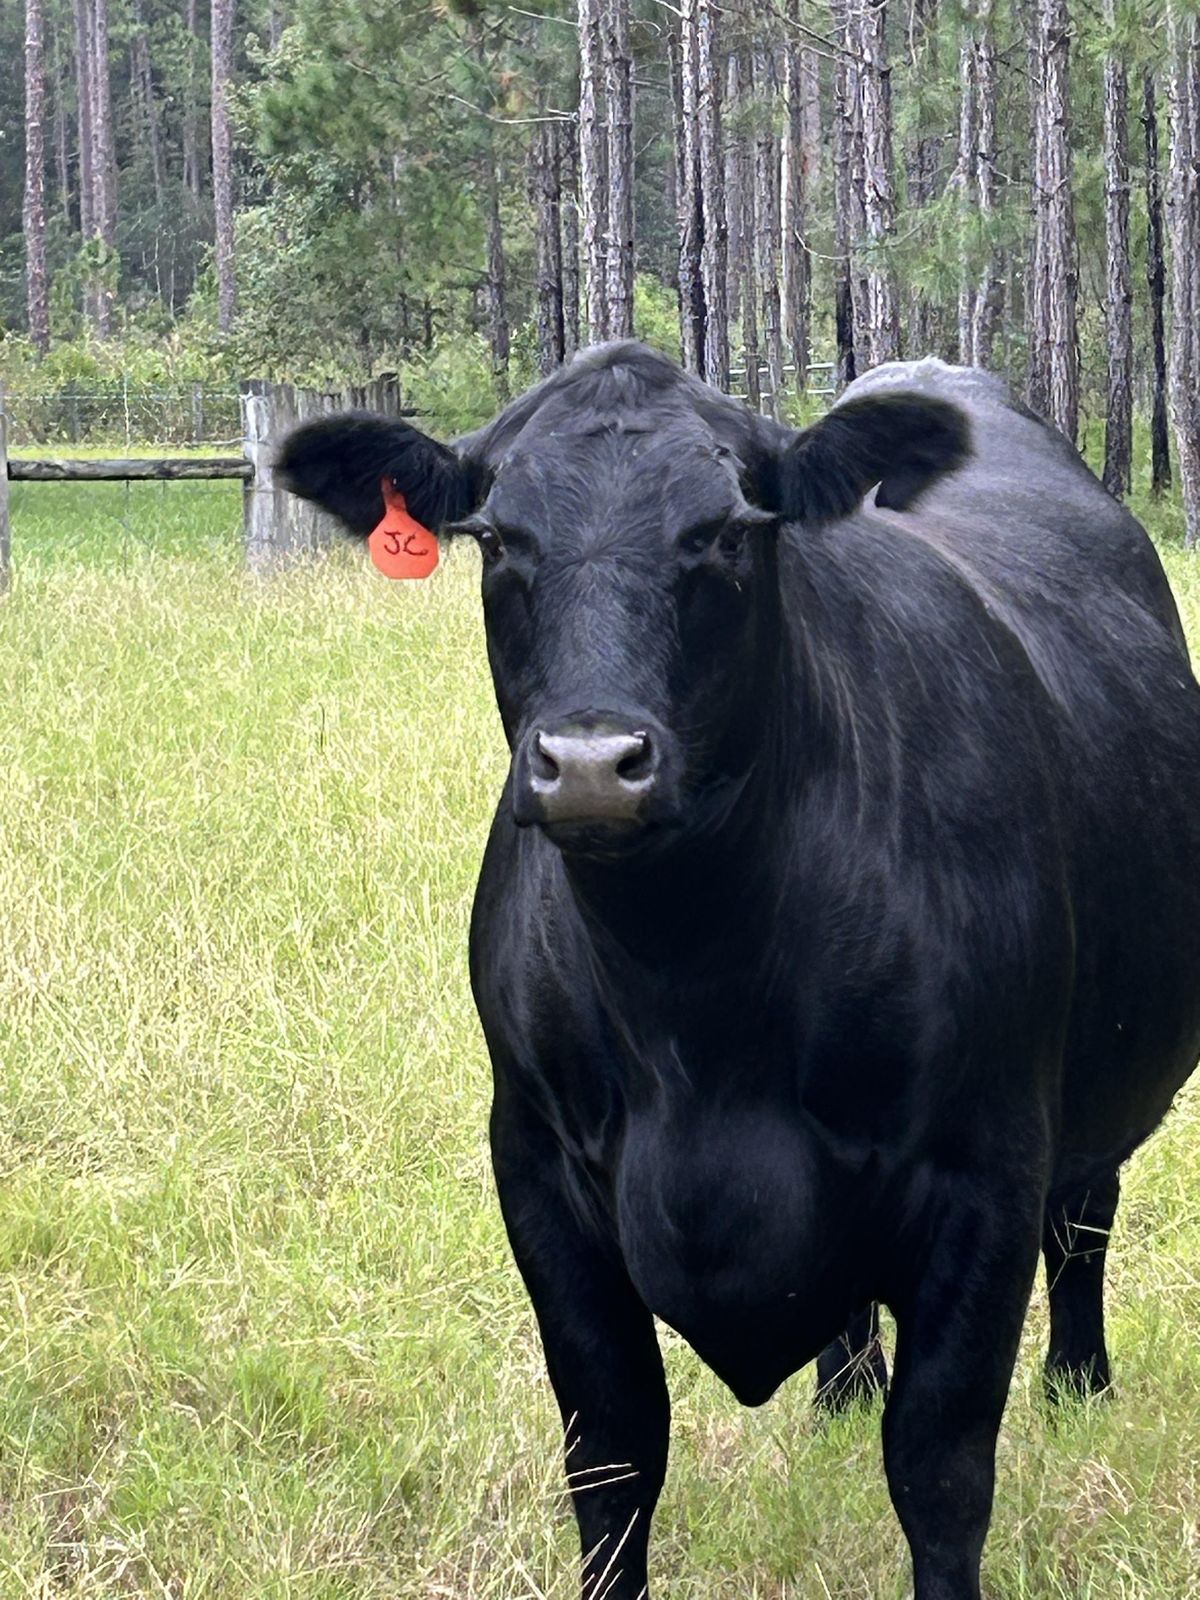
(1075, 578)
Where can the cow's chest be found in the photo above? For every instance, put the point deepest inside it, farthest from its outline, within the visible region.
(732, 1223)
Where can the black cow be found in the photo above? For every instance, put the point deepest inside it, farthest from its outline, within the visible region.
(838, 935)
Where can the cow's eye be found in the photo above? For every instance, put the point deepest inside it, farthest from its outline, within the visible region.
(491, 544)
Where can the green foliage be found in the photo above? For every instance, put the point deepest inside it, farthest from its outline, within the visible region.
(656, 315)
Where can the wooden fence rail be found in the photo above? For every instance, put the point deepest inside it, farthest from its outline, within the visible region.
(277, 528)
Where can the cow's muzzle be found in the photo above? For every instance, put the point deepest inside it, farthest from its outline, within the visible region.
(591, 774)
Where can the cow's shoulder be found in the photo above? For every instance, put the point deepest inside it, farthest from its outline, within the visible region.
(1027, 518)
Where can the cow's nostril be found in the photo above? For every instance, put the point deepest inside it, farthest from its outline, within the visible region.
(544, 766)
(638, 763)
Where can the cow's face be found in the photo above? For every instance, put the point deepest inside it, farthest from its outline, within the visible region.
(628, 520)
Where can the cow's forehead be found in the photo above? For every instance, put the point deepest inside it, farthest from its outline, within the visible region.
(673, 474)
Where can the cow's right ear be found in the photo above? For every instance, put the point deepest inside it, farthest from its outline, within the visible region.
(338, 462)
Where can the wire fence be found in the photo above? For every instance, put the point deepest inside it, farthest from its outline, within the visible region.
(195, 414)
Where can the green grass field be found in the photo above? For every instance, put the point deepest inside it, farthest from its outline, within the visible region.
(260, 1335)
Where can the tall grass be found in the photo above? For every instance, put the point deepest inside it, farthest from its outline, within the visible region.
(260, 1335)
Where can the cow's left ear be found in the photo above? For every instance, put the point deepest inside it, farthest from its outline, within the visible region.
(902, 442)
(339, 461)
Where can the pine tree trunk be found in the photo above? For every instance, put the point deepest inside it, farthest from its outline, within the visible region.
(497, 282)
(104, 161)
(83, 100)
(33, 214)
(1037, 339)
(569, 192)
(546, 199)
(1058, 270)
(593, 160)
(191, 115)
(879, 199)
(989, 296)
(843, 198)
(222, 159)
(747, 188)
(1156, 277)
(922, 159)
(693, 322)
(141, 79)
(618, 86)
(62, 163)
(734, 171)
(797, 260)
(714, 254)
(767, 236)
(1183, 217)
(1118, 431)
(963, 182)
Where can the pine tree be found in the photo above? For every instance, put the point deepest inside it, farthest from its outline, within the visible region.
(618, 94)
(593, 163)
(222, 158)
(1156, 282)
(34, 210)
(881, 318)
(1056, 268)
(714, 250)
(1118, 309)
(104, 161)
(1183, 212)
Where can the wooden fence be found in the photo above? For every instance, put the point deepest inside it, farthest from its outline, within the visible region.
(277, 528)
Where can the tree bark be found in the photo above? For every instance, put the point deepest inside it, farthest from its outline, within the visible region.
(797, 178)
(748, 231)
(104, 162)
(1118, 431)
(593, 160)
(734, 173)
(1057, 263)
(33, 214)
(714, 251)
(141, 79)
(963, 183)
(989, 296)
(843, 198)
(922, 157)
(191, 116)
(1156, 278)
(618, 87)
(1037, 341)
(878, 196)
(693, 321)
(83, 93)
(1183, 215)
(546, 198)
(497, 281)
(569, 210)
(767, 235)
(222, 160)
(62, 162)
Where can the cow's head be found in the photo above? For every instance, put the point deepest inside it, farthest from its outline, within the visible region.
(628, 519)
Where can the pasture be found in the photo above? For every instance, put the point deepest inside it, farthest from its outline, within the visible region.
(260, 1335)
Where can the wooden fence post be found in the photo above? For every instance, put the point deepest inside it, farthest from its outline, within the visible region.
(279, 528)
(5, 547)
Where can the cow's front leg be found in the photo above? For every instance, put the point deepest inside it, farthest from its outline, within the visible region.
(958, 1327)
(603, 1358)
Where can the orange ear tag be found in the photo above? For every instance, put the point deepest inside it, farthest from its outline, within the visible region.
(400, 547)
